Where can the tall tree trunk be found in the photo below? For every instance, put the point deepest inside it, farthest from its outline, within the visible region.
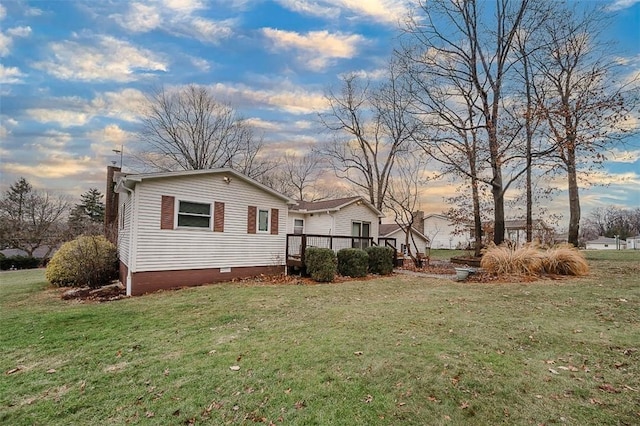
(574, 198)
(477, 218)
(496, 184)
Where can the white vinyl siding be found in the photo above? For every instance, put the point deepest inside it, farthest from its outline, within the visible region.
(345, 217)
(124, 233)
(179, 249)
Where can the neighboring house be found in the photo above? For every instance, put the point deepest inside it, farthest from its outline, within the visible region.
(605, 243)
(418, 243)
(348, 217)
(39, 253)
(633, 243)
(444, 234)
(195, 227)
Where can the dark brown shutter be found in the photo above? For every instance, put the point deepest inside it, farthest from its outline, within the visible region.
(274, 221)
(218, 217)
(166, 212)
(251, 220)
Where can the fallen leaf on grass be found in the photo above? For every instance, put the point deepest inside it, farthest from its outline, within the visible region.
(234, 368)
(464, 405)
(287, 391)
(608, 388)
(166, 372)
(595, 401)
(368, 399)
(358, 353)
(299, 405)
(176, 413)
(552, 371)
(51, 371)
(433, 399)
(149, 414)
(13, 370)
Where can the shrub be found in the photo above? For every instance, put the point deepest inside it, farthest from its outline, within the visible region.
(321, 263)
(87, 260)
(380, 260)
(504, 260)
(18, 262)
(353, 262)
(565, 260)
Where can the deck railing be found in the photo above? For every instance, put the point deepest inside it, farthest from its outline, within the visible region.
(298, 243)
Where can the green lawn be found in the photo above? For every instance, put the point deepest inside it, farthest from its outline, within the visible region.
(390, 351)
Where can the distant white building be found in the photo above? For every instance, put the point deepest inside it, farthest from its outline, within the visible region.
(606, 243)
(633, 243)
(443, 234)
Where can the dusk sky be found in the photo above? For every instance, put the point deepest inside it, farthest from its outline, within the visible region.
(72, 74)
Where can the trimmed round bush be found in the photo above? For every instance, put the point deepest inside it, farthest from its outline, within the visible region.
(321, 264)
(380, 260)
(353, 262)
(86, 261)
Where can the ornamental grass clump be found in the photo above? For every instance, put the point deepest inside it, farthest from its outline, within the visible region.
(86, 261)
(504, 260)
(565, 260)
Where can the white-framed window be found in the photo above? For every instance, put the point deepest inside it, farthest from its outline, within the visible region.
(298, 226)
(194, 215)
(360, 229)
(263, 220)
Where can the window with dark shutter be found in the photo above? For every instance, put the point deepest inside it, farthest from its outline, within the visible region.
(274, 221)
(251, 219)
(167, 206)
(218, 217)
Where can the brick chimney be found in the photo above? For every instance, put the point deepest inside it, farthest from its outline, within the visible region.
(111, 206)
(418, 220)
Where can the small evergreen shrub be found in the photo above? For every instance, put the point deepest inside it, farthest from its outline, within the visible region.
(353, 262)
(380, 260)
(18, 262)
(87, 260)
(321, 264)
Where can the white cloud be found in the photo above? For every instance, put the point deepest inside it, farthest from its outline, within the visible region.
(201, 64)
(623, 156)
(383, 11)
(19, 31)
(3, 12)
(175, 17)
(5, 44)
(316, 49)
(10, 75)
(65, 118)
(621, 4)
(292, 99)
(100, 58)
(140, 18)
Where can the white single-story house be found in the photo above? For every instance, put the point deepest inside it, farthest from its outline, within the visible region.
(633, 243)
(442, 233)
(198, 226)
(605, 243)
(349, 217)
(417, 240)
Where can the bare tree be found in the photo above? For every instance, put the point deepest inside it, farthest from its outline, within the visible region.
(31, 218)
(583, 105)
(188, 129)
(403, 197)
(372, 128)
(298, 177)
(472, 49)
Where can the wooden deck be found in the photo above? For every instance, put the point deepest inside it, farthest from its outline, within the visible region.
(297, 244)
